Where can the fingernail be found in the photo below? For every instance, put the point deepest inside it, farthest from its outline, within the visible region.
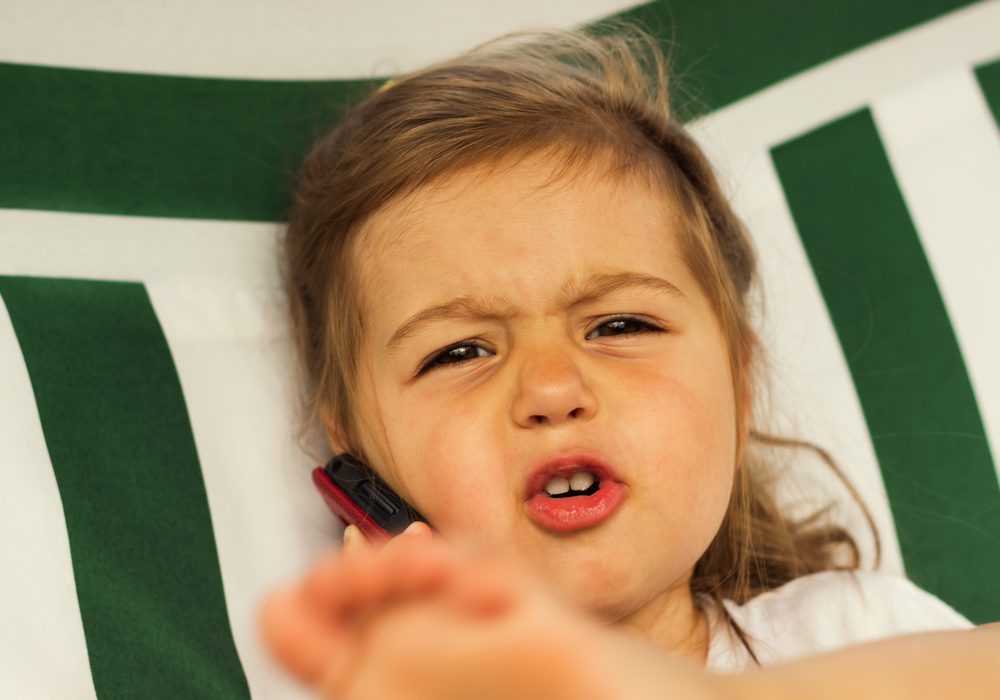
(351, 534)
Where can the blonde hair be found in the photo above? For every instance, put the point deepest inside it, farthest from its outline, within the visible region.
(587, 97)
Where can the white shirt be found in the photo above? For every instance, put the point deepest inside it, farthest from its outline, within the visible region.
(821, 612)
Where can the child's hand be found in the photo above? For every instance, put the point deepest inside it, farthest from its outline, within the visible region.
(315, 627)
(414, 620)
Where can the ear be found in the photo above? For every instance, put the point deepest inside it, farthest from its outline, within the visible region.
(336, 435)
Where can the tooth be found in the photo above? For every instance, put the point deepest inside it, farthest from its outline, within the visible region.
(557, 485)
(581, 481)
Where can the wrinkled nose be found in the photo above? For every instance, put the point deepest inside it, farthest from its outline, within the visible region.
(551, 389)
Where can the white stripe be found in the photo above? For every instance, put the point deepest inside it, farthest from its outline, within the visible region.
(232, 351)
(848, 83)
(43, 652)
(944, 147)
(270, 39)
(812, 395)
(94, 246)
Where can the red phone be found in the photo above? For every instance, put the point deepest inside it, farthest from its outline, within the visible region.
(356, 494)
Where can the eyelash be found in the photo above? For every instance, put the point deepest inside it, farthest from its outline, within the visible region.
(647, 327)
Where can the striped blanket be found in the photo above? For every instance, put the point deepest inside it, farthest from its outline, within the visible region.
(151, 484)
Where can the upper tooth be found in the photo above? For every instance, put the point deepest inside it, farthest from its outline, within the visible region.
(557, 485)
(581, 481)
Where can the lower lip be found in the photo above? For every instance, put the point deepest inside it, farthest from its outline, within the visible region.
(576, 512)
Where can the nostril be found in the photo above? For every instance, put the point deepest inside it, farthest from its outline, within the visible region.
(539, 419)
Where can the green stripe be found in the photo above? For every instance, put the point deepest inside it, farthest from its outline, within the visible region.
(988, 76)
(728, 49)
(904, 358)
(122, 143)
(117, 430)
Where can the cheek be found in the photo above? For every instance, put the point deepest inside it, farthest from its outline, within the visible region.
(451, 464)
(690, 402)
(681, 420)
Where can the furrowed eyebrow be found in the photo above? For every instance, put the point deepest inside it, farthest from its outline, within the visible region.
(601, 284)
(574, 292)
(462, 308)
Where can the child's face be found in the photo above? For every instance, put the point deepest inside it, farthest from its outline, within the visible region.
(549, 375)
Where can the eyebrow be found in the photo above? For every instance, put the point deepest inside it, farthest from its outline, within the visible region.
(573, 293)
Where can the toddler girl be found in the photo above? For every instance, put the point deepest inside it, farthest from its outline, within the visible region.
(521, 297)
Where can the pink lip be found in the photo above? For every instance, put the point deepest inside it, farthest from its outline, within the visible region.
(574, 512)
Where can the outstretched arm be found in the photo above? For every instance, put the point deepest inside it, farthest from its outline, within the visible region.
(963, 664)
(415, 621)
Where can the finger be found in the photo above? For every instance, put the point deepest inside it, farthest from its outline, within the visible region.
(416, 562)
(342, 583)
(485, 586)
(355, 541)
(355, 547)
(415, 535)
(345, 585)
(309, 649)
(418, 530)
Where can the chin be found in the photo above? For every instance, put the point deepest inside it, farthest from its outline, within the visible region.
(611, 588)
(611, 609)
(593, 586)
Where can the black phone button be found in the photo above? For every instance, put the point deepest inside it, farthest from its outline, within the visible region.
(375, 498)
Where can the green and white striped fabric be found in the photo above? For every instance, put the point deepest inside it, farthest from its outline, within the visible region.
(151, 488)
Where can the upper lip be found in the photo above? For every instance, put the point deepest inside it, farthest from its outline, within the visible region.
(566, 465)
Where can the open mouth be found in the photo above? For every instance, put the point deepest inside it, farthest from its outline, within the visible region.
(573, 493)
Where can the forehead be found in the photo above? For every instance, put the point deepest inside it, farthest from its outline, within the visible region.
(520, 231)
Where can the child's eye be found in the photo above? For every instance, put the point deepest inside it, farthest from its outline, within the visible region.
(454, 355)
(467, 350)
(624, 325)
